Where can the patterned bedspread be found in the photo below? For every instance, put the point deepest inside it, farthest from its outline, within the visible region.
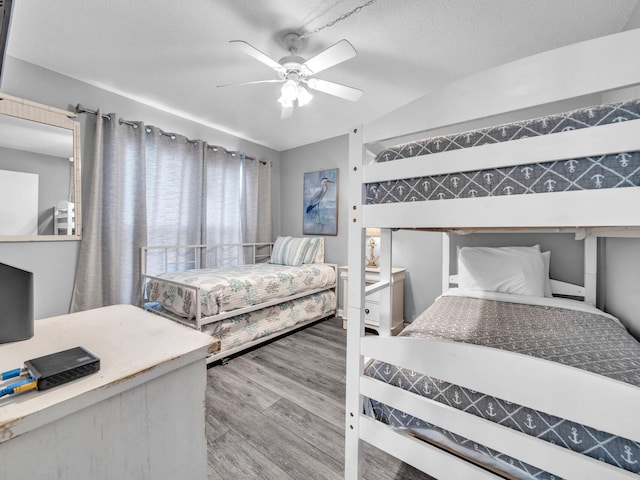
(240, 329)
(229, 288)
(605, 171)
(578, 339)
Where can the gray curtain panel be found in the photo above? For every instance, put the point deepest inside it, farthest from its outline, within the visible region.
(114, 219)
(151, 188)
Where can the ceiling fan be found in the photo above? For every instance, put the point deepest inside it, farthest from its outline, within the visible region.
(296, 72)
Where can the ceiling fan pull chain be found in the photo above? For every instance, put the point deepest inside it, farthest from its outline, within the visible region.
(341, 17)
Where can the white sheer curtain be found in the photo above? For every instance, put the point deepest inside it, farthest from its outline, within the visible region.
(174, 197)
(223, 174)
(153, 188)
(237, 200)
(257, 224)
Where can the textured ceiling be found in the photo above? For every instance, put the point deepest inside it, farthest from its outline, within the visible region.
(171, 54)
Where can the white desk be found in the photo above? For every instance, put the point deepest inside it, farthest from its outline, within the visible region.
(140, 417)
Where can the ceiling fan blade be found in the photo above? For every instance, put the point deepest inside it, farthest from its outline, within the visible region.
(335, 54)
(249, 83)
(332, 88)
(286, 112)
(257, 54)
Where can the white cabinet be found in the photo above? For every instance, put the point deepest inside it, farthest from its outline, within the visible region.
(141, 416)
(372, 301)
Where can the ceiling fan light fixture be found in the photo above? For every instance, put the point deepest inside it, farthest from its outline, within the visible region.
(294, 71)
(292, 91)
(289, 93)
(285, 102)
(304, 96)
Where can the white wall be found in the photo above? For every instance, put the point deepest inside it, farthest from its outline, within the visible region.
(54, 263)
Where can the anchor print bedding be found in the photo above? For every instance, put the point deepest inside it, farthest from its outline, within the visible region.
(559, 330)
(229, 288)
(605, 171)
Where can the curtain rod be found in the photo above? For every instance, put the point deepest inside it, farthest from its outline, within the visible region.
(80, 109)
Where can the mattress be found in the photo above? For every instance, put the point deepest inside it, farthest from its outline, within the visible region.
(241, 329)
(229, 288)
(559, 330)
(604, 171)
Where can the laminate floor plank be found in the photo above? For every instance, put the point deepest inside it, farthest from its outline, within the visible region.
(331, 331)
(329, 356)
(231, 457)
(328, 408)
(243, 388)
(309, 427)
(277, 413)
(220, 384)
(298, 371)
(212, 469)
(282, 447)
(213, 427)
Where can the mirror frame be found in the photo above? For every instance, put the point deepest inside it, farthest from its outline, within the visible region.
(28, 110)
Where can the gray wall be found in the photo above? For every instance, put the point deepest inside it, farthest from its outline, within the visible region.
(620, 263)
(53, 173)
(417, 251)
(620, 267)
(294, 164)
(54, 263)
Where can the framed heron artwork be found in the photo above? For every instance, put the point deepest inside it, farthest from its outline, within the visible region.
(320, 210)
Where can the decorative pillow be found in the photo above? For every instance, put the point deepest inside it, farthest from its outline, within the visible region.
(289, 251)
(319, 258)
(312, 249)
(515, 270)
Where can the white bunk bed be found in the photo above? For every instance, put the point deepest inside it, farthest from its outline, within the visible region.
(579, 396)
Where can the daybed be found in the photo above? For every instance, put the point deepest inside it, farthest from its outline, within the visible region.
(243, 294)
(492, 356)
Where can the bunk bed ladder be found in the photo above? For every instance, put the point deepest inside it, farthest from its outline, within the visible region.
(355, 308)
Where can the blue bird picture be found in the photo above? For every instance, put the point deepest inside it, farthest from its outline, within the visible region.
(321, 203)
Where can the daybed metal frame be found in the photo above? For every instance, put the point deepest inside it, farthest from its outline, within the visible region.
(185, 257)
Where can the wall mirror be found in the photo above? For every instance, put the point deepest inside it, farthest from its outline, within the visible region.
(40, 179)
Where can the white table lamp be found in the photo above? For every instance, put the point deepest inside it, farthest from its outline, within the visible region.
(372, 234)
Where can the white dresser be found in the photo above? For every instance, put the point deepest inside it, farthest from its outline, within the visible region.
(372, 301)
(140, 417)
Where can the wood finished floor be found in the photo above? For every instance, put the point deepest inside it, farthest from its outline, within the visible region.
(277, 413)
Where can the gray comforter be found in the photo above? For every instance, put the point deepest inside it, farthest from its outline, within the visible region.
(578, 339)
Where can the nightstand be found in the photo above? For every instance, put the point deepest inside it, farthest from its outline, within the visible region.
(372, 304)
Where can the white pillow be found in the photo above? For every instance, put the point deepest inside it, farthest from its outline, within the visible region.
(319, 258)
(514, 270)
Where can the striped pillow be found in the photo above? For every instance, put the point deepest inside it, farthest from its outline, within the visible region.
(289, 251)
(312, 250)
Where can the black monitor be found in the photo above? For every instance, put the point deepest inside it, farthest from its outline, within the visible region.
(16, 304)
(5, 22)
